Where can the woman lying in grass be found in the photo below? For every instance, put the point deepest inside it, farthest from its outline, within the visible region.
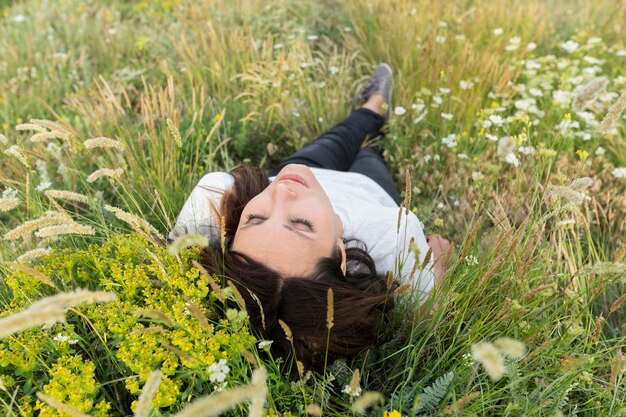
(327, 217)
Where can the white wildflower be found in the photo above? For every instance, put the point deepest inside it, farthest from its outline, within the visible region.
(450, 140)
(18, 18)
(498, 31)
(440, 39)
(562, 98)
(496, 119)
(512, 159)
(427, 158)
(527, 150)
(352, 392)
(447, 116)
(531, 46)
(264, 344)
(462, 156)
(506, 145)
(399, 111)
(477, 176)
(471, 260)
(536, 92)
(218, 371)
(491, 137)
(437, 99)
(600, 151)
(570, 46)
(333, 70)
(531, 64)
(312, 37)
(514, 43)
(442, 24)
(459, 37)
(619, 172)
(466, 85)
(444, 90)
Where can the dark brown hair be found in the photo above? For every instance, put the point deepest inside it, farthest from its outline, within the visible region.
(301, 302)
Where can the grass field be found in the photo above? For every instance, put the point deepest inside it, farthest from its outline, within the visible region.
(508, 118)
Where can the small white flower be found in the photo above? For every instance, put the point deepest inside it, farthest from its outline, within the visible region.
(265, 344)
(444, 90)
(531, 64)
(347, 29)
(491, 137)
(462, 156)
(60, 338)
(477, 176)
(18, 18)
(498, 31)
(527, 150)
(620, 52)
(437, 99)
(442, 24)
(112, 31)
(536, 92)
(570, 46)
(218, 371)
(496, 119)
(312, 37)
(333, 70)
(619, 172)
(352, 392)
(440, 39)
(531, 46)
(512, 159)
(600, 151)
(399, 111)
(466, 85)
(471, 260)
(427, 158)
(450, 140)
(447, 116)
(593, 41)
(460, 37)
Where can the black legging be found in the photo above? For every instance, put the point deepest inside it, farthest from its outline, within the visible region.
(340, 149)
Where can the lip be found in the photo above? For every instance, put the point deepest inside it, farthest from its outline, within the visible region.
(293, 177)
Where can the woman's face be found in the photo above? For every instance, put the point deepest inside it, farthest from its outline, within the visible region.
(290, 225)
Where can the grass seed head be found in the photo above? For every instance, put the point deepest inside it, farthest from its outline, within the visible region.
(105, 172)
(17, 152)
(30, 226)
(30, 318)
(330, 309)
(10, 203)
(65, 229)
(59, 406)
(188, 240)
(147, 394)
(615, 111)
(174, 131)
(489, 357)
(103, 142)
(510, 347)
(366, 400)
(67, 195)
(589, 92)
(33, 254)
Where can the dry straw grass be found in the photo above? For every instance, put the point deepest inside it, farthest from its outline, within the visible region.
(50, 310)
(59, 406)
(147, 394)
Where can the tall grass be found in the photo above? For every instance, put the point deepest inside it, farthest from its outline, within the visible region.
(486, 114)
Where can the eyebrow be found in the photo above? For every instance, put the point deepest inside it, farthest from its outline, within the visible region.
(286, 226)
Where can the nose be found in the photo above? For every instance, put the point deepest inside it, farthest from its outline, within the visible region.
(283, 192)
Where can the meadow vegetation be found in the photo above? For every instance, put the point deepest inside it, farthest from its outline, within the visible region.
(507, 135)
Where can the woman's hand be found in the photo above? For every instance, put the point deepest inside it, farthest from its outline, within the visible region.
(442, 250)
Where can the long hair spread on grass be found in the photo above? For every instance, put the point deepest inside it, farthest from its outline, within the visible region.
(300, 303)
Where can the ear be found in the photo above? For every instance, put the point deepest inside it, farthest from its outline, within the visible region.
(342, 248)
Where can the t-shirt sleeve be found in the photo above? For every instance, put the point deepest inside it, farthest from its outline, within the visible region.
(198, 213)
(412, 250)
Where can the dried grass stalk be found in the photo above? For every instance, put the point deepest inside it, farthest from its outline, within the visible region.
(102, 142)
(40, 276)
(217, 290)
(137, 223)
(366, 400)
(330, 309)
(589, 92)
(30, 226)
(65, 229)
(185, 241)
(33, 254)
(67, 195)
(9, 203)
(105, 172)
(29, 318)
(615, 111)
(59, 406)
(175, 133)
(147, 394)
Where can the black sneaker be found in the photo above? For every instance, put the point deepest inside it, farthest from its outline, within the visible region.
(380, 83)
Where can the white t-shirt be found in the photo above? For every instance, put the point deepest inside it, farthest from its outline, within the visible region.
(367, 212)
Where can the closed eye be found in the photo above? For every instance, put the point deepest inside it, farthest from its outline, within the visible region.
(251, 217)
(305, 222)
